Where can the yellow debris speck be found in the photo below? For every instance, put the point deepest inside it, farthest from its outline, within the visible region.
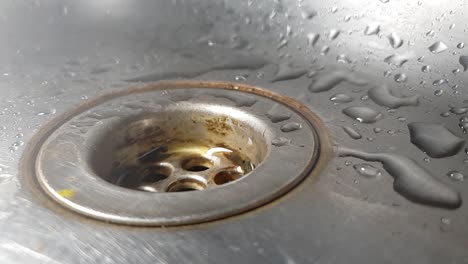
(66, 193)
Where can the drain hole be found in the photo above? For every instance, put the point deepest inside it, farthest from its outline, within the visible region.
(224, 177)
(155, 173)
(149, 151)
(197, 164)
(186, 185)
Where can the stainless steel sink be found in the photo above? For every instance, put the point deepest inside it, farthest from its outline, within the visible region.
(353, 119)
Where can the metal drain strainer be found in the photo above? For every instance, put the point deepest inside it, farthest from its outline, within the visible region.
(182, 147)
(176, 153)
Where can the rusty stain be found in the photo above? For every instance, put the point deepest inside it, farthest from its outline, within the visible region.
(220, 125)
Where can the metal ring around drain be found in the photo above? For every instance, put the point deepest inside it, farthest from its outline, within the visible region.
(65, 150)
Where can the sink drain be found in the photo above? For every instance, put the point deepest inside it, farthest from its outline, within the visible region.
(175, 153)
(183, 147)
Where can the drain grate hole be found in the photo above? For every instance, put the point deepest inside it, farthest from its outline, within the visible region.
(197, 164)
(186, 185)
(155, 173)
(224, 177)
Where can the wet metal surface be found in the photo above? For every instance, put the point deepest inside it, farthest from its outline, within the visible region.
(394, 63)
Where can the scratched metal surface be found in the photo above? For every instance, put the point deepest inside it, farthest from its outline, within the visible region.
(56, 54)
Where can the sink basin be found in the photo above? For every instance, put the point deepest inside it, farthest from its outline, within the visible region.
(385, 82)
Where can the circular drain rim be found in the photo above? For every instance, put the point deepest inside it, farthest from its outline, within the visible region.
(215, 210)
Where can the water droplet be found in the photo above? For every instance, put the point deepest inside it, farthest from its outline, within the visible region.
(343, 59)
(383, 96)
(289, 30)
(434, 139)
(461, 45)
(364, 98)
(283, 43)
(437, 47)
(400, 78)
(439, 82)
(239, 78)
(456, 175)
(455, 71)
(463, 60)
(362, 114)
(445, 223)
(438, 92)
(5, 177)
(276, 117)
(401, 119)
(16, 145)
(64, 11)
(430, 33)
(459, 110)
(410, 180)
(239, 43)
(352, 132)
(421, 59)
(84, 97)
(377, 130)
(328, 81)
(445, 114)
(395, 40)
(341, 98)
(451, 26)
(367, 170)
(391, 132)
(286, 71)
(464, 126)
(324, 50)
(372, 29)
(312, 39)
(426, 159)
(19, 135)
(387, 73)
(289, 127)
(398, 59)
(333, 34)
(426, 68)
(347, 163)
(48, 112)
(280, 141)
(308, 13)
